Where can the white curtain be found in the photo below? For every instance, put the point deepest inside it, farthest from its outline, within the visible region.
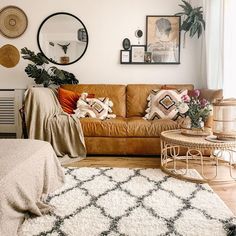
(214, 43)
(229, 82)
(220, 45)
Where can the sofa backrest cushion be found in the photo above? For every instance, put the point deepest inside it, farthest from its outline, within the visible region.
(116, 93)
(137, 96)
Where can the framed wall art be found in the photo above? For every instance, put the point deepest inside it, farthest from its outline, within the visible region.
(163, 38)
(137, 53)
(124, 56)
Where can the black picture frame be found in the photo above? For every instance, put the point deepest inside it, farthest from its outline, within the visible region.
(163, 40)
(124, 56)
(137, 54)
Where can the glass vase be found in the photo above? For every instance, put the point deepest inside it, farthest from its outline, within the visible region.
(197, 124)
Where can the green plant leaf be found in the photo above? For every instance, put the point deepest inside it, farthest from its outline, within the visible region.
(194, 22)
(30, 55)
(203, 23)
(188, 5)
(199, 32)
(186, 26)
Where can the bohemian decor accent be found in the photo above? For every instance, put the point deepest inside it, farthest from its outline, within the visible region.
(162, 104)
(9, 56)
(13, 21)
(119, 201)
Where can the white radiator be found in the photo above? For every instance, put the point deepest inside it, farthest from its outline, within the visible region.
(10, 122)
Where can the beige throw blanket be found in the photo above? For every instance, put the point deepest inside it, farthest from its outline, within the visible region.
(29, 170)
(46, 121)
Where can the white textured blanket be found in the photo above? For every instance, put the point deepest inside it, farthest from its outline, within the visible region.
(29, 170)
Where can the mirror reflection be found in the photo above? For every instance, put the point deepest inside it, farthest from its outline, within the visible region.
(62, 38)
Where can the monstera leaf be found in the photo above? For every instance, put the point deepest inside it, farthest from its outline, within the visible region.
(38, 59)
(40, 76)
(63, 77)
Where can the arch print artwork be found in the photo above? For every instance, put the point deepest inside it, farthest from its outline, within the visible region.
(163, 39)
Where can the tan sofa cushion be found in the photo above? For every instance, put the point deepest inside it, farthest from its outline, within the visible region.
(115, 92)
(138, 127)
(125, 127)
(93, 127)
(137, 96)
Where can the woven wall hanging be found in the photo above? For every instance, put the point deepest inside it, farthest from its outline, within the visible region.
(9, 56)
(13, 21)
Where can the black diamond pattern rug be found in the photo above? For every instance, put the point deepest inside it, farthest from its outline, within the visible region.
(134, 202)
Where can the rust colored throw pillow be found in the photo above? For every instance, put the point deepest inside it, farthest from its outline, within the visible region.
(68, 99)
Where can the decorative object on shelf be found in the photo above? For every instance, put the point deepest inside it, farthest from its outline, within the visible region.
(163, 39)
(64, 47)
(148, 57)
(193, 21)
(138, 34)
(53, 31)
(196, 109)
(124, 56)
(137, 53)
(9, 56)
(224, 119)
(43, 75)
(13, 21)
(82, 35)
(126, 44)
(64, 60)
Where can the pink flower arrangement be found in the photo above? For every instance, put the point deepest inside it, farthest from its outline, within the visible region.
(197, 109)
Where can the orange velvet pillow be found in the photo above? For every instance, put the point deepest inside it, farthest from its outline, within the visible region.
(68, 99)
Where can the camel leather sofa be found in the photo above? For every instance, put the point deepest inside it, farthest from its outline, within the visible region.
(128, 133)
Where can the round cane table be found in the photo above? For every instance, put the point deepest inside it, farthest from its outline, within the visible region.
(178, 150)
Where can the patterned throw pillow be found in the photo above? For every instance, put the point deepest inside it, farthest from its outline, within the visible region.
(68, 99)
(94, 107)
(162, 104)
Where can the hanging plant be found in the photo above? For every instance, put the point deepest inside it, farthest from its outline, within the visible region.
(193, 20)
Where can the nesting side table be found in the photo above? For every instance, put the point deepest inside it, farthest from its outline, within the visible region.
(178, 150)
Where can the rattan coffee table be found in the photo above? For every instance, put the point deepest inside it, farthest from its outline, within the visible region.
(178, 150)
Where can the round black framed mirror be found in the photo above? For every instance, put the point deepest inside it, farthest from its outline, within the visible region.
(62, 38)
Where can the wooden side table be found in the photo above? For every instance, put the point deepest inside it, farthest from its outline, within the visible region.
(173, 144)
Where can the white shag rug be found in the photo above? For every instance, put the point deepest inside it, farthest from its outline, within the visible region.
(134, 202)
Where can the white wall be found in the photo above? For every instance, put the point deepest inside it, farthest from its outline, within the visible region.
(108, 22)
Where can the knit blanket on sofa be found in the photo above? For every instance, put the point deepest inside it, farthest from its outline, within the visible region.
(45, 120)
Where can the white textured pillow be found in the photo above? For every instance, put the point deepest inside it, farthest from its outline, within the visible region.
(94, 107)
(162, 104)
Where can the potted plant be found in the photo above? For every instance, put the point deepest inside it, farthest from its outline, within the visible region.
(193, 20)
(43, 74)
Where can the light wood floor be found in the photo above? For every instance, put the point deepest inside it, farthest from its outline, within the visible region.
(227, 192)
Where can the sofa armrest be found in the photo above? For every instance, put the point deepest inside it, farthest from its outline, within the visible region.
(40, 105)
(211, 95)
(42, 99)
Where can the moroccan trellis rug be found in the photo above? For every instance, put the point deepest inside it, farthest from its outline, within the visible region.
(119, 201)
